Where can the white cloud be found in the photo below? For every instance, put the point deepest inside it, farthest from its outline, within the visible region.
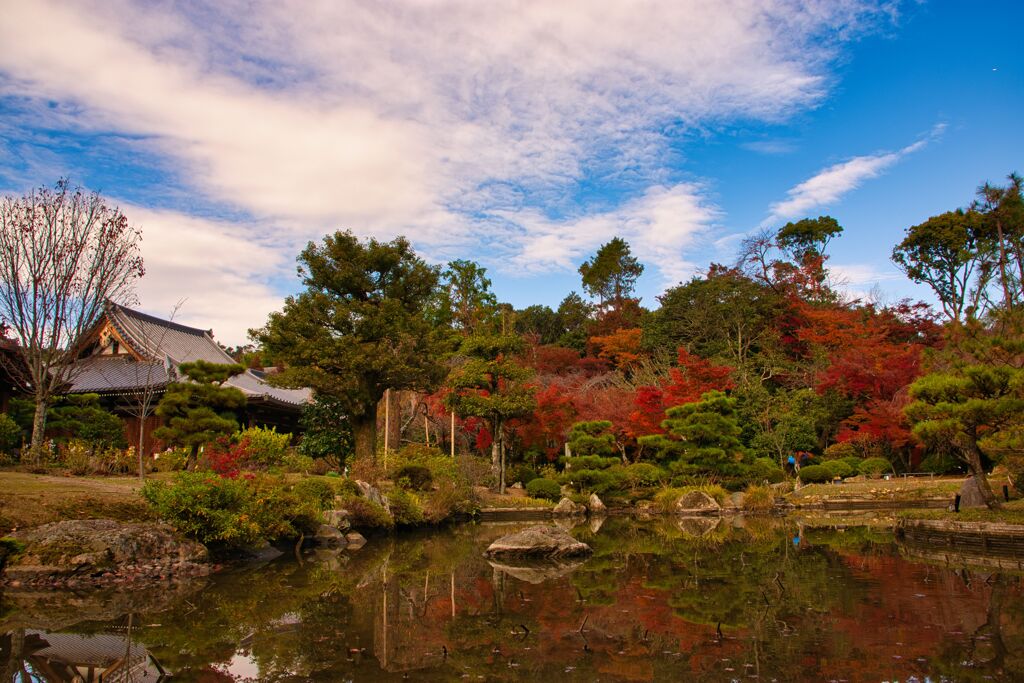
(831, 183)
(458, 123)
(660, 226)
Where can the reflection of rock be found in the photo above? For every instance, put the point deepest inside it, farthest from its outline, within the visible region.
(567, 508)
(735, 501)
(697, 503)
(595, 505)
(537, 572)
(537, 542)
(567, 523)
(698, 526)
(645, 510)
(339, 519)
(53, 610)
(970, 494)
(596, 522)
(104, 550)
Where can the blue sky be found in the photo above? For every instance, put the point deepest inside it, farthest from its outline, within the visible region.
(520, 135)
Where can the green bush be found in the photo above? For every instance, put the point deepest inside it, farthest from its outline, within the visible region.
(171, 460)
(601, 482)
(545, 489)
(263, 447)
(298, 463)
(854, 462)
(838, 468)
(841, 451)
(874, 467)
(10, 434)
(813, 474)
(524, 474)
(758, 498)
(405, 508)
(233, 513)
(414, 477)
(643, 475)
(318, 490)
(589, 462)
(766, 469)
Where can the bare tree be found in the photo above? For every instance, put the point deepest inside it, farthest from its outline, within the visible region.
(63, 255)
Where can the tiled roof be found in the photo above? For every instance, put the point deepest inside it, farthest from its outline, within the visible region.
(99, 374)
(167, 342)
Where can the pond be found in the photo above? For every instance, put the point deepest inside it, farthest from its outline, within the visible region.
(708, 600)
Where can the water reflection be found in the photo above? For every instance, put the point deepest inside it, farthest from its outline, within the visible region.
(703, 599)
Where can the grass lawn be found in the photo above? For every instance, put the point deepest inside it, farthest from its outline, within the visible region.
(33, 499)
(1011, 513)
(894, 489)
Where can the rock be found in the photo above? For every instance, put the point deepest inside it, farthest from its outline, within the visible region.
(697, 503)
(339, 519)
(328, 536)
(538, 542)
(265, 553)
(595, 505)
(567, 508)
(373, 494)
(697, 526)
(736, 501)
(103, 550)
(517, 485)
(355, 540)
(970, 494)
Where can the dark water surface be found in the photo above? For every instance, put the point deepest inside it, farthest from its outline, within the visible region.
(702, 600)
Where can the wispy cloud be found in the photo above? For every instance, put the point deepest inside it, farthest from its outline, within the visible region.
(830, 184)
(454, 122)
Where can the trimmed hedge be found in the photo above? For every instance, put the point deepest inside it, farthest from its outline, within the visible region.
(873, 467)
(545, 489)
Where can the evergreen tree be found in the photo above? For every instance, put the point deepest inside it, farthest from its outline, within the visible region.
(611, 274)
(360, 327)
(490, 384)
(196, 412)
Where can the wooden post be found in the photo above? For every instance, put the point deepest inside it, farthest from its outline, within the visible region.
(426, 429)
(453, 433)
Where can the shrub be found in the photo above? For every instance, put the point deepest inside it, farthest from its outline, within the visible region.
(874, 467)
(524, 474)
(643, 474)
(405, 508)
(172, 460)
(854, 462)
(758, 498)
(449, 499)
(75, 456)
(545, 489)
(302, 464)
(766, 469)
(263, 447)
(813, 474)
(414, 477)
(838, 468)
(225, 457)
(589, 462)
(113, 460)
(10, 434)
(315, 489)
(210, 509)
(601, 482)
(841, 451)
(281, 512)
(365, 514)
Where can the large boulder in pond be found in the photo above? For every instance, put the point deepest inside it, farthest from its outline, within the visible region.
(697, 503)
(970, 494)
(567, 508)
(539, 542)
(91, 551)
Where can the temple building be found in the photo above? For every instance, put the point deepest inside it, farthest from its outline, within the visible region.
(129, 358)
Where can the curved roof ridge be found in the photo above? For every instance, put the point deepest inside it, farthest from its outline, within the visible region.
(158, 321)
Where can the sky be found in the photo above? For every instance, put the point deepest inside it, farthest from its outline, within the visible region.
(522, 135)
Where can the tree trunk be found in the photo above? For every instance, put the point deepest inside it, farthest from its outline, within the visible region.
(142, 440)
(496, 451)
(501, 471)
(38, 425)
(364, 429)
(974, 462)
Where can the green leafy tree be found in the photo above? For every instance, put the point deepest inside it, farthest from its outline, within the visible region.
(466, 291)
(1003, 211)
(326, 432)
(490, 384)
(808, 237)
(540, 322)
(196, 412)
(360, 327)
(611, 274)
(707, 438)
(574, 317)
(951, 254)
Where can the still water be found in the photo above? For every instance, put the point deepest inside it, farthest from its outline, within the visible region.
(701, 600)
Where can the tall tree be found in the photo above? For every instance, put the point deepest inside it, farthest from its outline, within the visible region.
(808, 237)
(467, 293)
(197, 411)
(575, 317)
(359, 328)
(950, 254)
(611, 274)
(490, 384)
(1003, 209)
(63, 255)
